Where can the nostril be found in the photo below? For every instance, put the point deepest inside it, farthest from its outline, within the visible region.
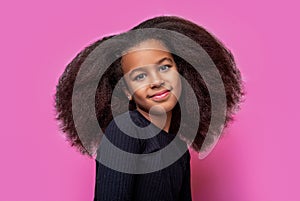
(157, 83)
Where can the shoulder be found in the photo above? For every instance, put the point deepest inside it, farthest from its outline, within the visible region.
(120, 131)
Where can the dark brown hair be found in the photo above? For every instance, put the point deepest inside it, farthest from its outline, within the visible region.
(219, 54)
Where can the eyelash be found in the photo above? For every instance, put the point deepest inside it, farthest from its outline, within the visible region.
(168, 66)
(138, 77)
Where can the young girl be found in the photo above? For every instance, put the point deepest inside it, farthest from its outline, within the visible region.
(144, 154)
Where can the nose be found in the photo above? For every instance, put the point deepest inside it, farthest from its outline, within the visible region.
(156, 81)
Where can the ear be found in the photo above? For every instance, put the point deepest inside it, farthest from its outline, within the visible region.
(127, 93)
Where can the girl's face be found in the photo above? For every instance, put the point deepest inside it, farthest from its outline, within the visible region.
(152, 77)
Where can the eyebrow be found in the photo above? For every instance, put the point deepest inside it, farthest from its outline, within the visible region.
(158, 62)
(163, 59)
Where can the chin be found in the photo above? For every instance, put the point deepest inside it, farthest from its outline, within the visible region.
(160, 110)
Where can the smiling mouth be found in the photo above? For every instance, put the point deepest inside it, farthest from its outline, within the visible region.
(160, 96)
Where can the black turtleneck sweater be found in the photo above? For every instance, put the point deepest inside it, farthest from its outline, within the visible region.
(171, 183)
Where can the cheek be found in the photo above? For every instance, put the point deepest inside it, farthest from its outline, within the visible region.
(138, 88)
(132, 86)
(139, 93)
(178, 88)
(176, 82)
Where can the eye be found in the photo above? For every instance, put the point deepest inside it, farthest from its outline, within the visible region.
(140, 77)
(164, 68)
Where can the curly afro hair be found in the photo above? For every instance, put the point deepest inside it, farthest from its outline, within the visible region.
(219, 54)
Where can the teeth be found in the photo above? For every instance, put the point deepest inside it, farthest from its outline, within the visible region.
(161, 95)
(158, 96)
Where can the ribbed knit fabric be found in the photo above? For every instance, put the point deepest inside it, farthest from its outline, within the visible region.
(171, 183)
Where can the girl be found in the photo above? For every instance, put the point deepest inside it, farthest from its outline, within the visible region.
(143, 154)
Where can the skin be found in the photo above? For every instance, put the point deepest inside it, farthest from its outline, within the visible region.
(152, 80)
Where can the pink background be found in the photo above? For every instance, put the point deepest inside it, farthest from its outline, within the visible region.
(256, 160)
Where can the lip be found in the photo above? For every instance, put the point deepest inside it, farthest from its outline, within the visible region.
(160, 95)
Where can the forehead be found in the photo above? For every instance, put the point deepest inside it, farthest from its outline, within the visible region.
(145, 53)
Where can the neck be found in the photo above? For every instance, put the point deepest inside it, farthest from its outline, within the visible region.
(158, 120)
